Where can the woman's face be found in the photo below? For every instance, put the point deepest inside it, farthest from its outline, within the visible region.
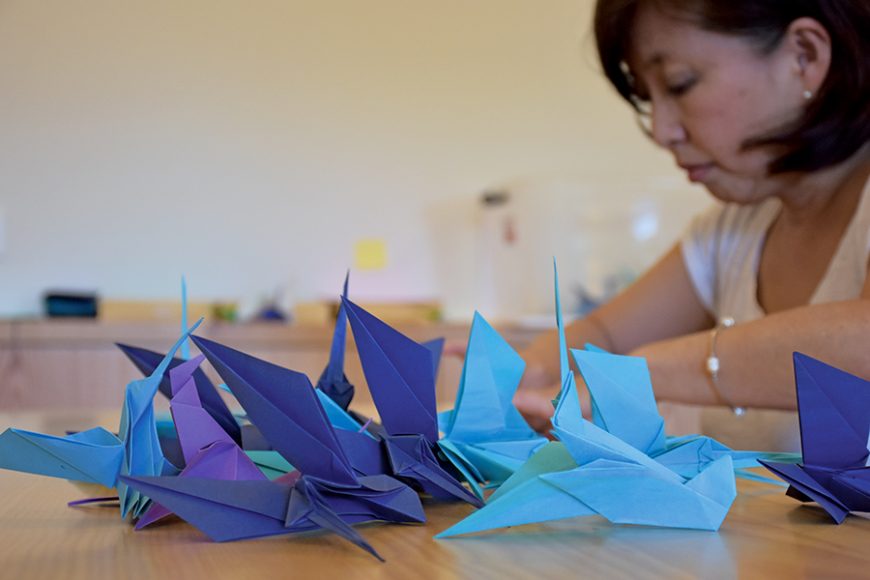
(708, 94)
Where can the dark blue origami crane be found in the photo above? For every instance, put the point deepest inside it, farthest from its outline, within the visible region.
(834, 408)
(333, 382)
(401, 377)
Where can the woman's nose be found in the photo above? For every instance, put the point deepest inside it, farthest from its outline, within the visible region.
(666, 127)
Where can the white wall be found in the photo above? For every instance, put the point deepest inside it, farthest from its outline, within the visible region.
(248, 144)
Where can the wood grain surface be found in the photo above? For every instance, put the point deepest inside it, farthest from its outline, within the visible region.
(766, 535)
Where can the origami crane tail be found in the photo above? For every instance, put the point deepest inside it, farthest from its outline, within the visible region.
(306, 503)
(412, 459)
(533, 501)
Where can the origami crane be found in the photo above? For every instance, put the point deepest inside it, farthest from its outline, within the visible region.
(209, 452)
(333, 382)
(147, 361)
(401, 377)
(623, 404)
(591, 471)
(834, 409)
(327, 495)
(484, 434)
(97, 456)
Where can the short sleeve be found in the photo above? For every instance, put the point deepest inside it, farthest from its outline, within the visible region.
(698, 246)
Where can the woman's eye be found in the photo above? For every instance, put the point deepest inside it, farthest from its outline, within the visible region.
(681, 87)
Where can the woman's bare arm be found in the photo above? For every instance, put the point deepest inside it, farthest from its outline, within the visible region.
(661, 304)
(756, 357)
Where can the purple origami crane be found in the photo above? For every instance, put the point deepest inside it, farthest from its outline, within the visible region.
(209, 452)
(834, 408)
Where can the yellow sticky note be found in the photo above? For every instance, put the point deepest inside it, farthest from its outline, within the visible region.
(370, 254)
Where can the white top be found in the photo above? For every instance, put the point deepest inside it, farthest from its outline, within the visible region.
(721, 250)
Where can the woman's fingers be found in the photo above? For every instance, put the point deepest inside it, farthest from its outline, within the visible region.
(536, 407)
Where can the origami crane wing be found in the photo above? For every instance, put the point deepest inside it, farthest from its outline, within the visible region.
(284, 405)
(436, 347)
(622, 398)
(484, 409)
(92, 456)
(399, 373)
(196, 428)
(834, 409)
(147, 361)
(333, 382)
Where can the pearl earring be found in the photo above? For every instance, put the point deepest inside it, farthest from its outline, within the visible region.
(808, 94)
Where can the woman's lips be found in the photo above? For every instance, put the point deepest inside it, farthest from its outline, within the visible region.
(697, 173)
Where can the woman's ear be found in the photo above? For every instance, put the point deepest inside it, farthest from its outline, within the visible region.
(808, 45)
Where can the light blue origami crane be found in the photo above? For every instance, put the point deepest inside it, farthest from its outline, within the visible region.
(591, 471)
(96, 455)
(623, 404)
(484, 434)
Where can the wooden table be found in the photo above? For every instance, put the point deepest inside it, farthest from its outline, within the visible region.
(765, 535)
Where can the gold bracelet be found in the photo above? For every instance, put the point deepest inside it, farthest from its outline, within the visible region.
(713, 366)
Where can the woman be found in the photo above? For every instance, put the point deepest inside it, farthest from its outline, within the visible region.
(765, 103)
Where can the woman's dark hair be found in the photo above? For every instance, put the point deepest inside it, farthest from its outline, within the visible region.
(837, 121)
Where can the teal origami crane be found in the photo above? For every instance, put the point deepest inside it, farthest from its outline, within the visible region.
(590, 471)
(484, 434)
(97, 456)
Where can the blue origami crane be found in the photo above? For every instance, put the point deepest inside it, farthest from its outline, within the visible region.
(327, 495)
(591, 471)
(484, 434)
(97, 456)
(834, 409)
(401, 377)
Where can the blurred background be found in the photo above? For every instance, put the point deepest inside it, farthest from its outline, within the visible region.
(442, 151)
